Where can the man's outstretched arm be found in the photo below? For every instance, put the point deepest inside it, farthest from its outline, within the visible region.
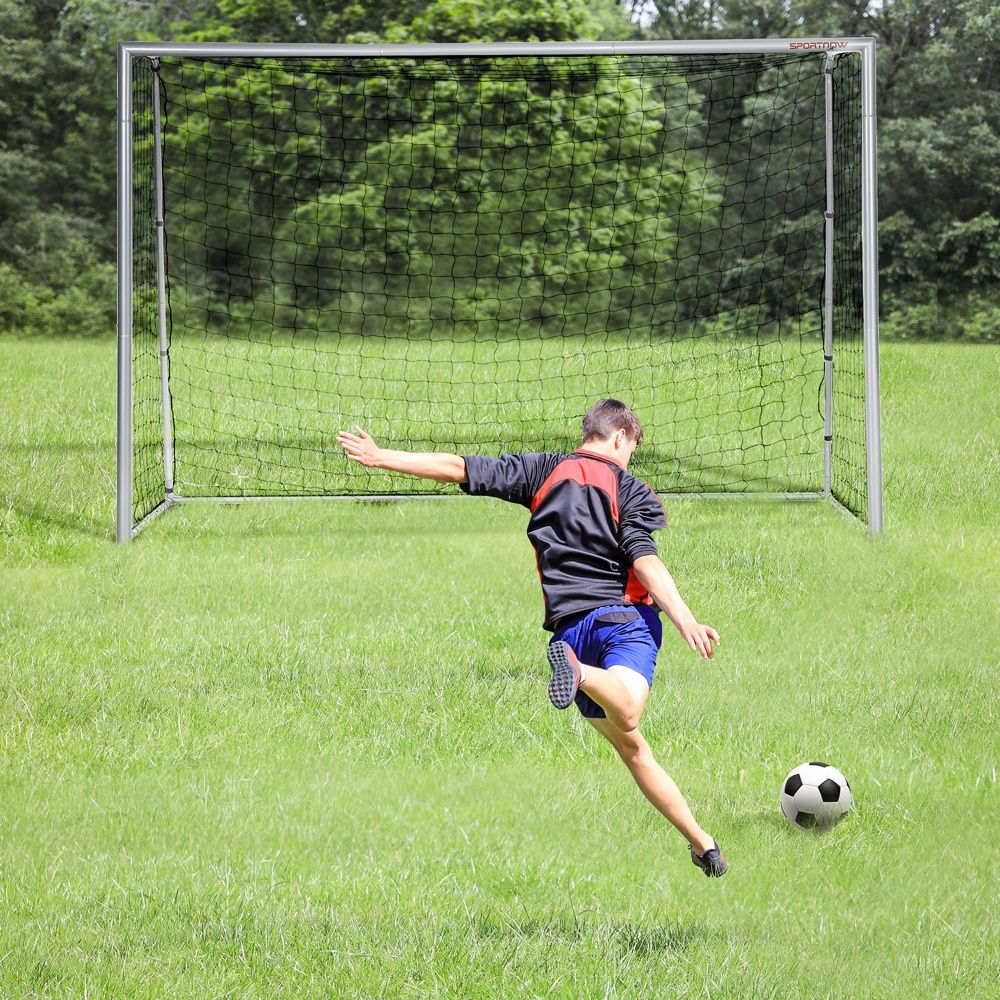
(437, 465)
(656, 578)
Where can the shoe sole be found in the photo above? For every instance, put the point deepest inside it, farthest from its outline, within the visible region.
(563, 685)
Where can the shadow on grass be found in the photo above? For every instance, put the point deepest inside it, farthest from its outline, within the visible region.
(34, 447)
(774, 820)
(58, 485)
(42, 514)
(625, 937)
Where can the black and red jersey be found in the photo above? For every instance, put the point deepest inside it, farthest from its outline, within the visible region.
(590, 521)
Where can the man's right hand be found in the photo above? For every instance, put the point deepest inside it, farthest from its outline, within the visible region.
(441, 466)
(699, 637)
(360, 446)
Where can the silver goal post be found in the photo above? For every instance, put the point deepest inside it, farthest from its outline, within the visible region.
(143, 273)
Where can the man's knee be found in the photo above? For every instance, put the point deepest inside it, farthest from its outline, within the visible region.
(633, 749)
(636, 691)
(629, 721)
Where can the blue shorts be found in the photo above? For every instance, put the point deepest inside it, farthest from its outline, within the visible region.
(626, 635)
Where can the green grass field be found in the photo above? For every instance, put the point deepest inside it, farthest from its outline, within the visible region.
(304, 749)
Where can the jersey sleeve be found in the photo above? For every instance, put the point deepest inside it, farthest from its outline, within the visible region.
(641, 515)
(514, 478)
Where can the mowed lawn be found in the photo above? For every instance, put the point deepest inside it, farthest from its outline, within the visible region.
(305, 750)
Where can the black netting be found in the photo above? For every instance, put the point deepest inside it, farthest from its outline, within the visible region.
(464, 254)
(147, 421)
(848, 466)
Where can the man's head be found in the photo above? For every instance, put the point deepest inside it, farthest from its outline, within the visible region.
(611, 428)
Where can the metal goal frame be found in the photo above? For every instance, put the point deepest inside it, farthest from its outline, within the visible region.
(127, 51)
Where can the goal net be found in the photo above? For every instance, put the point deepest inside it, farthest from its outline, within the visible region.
(462, 252)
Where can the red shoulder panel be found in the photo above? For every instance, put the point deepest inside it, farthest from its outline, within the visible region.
(584, 472)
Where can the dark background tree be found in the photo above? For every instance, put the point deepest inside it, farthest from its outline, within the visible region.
(939, 126)
(939, 141)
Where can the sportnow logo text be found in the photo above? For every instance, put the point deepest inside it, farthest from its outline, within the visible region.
(817, 45)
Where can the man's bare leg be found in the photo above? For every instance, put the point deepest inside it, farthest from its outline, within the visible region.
(622, 693)
(619, 690)
(658, 787)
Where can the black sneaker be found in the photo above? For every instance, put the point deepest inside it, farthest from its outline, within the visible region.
(565, 674)
(712, 863)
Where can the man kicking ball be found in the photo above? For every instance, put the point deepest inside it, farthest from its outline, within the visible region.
(591, 527)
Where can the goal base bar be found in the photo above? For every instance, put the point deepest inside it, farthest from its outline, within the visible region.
(174, 500)
(154, 514)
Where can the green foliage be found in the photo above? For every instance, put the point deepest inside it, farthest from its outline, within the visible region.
(939, 140)
(503, 20)
(56, 113)
(81, 308)
(527, 198)
(940, 168)
(403, 21)
(923, 314)
(57, 163)
(61, 285)
(939, 109)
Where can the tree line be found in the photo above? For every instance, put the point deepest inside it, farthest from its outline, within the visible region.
(939, 130)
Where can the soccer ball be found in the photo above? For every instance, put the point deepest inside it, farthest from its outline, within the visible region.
(815, 795)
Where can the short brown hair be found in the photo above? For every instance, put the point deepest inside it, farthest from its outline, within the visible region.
(607, 416)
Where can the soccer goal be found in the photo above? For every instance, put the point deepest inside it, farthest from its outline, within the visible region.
(461, 247)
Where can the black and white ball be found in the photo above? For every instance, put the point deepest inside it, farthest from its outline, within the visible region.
(815, 795)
